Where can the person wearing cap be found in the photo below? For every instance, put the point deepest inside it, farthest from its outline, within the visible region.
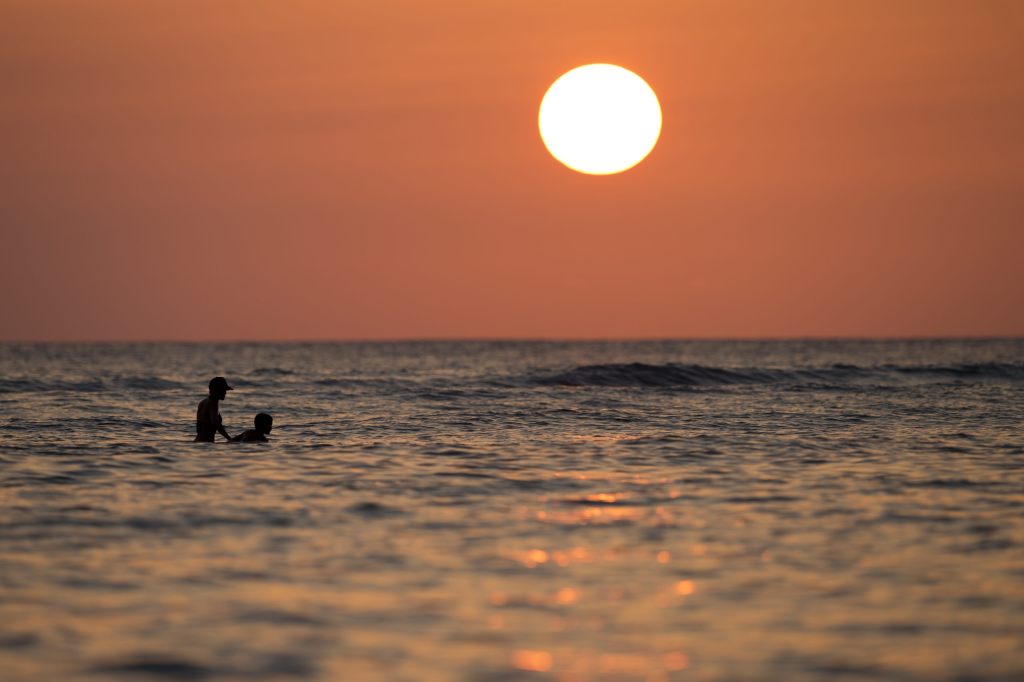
(208, 421)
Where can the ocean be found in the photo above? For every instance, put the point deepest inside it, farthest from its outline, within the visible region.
(494, 511)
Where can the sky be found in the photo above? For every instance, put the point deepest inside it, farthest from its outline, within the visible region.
(372, 169)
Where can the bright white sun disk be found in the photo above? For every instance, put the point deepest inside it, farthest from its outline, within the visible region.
(600, 119)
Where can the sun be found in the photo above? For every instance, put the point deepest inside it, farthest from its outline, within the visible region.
(600, 119)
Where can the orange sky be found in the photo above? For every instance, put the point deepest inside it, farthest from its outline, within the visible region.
(303, 169)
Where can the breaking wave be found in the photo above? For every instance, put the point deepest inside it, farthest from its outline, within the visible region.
(637, 374)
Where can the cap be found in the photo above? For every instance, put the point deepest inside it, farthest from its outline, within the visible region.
(220, 382)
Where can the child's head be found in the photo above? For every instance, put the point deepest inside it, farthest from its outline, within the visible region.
(264, 423)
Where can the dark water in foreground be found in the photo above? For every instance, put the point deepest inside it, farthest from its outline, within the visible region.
(505, 511)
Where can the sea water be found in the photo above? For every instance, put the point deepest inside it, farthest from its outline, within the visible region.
(485, 511)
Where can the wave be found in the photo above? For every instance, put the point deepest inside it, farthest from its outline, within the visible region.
(634, 374)
(984, 370)
(146, 383)
(272, 372)
(97, 385)
(672, 375)
(39, 386)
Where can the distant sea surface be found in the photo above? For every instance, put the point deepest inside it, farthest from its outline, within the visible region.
(486, 511)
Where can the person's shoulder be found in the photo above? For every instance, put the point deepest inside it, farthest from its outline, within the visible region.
(249, 436)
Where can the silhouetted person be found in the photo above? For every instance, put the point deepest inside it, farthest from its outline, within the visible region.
(208, 422)
(264, 423)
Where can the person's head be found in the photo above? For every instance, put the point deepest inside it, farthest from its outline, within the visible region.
(264, 423)
(219, 388)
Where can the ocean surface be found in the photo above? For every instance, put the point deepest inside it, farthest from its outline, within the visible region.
(495, 511)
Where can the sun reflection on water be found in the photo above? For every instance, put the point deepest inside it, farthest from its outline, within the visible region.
(685, 587)
(533, 660)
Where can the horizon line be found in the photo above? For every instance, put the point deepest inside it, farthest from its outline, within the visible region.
(523, 339)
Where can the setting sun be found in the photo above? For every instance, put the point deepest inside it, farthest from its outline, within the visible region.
(600, 119)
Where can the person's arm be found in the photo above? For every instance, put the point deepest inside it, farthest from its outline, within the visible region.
(220, 425)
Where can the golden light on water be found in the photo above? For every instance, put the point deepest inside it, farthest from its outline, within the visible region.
(676, 660)
(562, 558)
(606, 498)
(535, 557)
(533, 660)
(601, 514)
(685, 587)
(566, 595)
